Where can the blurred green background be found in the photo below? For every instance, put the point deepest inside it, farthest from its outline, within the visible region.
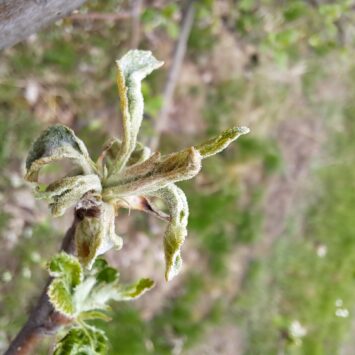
(269, 264)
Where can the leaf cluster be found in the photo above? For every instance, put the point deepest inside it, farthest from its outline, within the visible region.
(126, 175)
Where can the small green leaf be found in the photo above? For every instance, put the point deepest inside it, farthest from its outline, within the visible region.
(67, 274)
(176, 231)
(95, 314)
(56, 143)
(87, 298)
(60, 296)
(67, 267)
(131, 70)
(131, 292)
(154, 173)
(82, 341)
(91, 295)
(105, 273)
(101, 286)
(66, 192)
(96, 235)
(216, 145)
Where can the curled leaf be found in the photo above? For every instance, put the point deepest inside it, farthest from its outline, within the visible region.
(176, 231)
(154, 173)
(96, 235)
(56, 143)
(67, 275)
(216, 145)
(66, 192)
(93, 295)
(112, 150)
(101, 286)
(79, 340)
(95, 291)
(133, 291)
(131, 70)
(140, 203)
(95, 314)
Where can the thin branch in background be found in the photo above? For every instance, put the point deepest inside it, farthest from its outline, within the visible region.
(135, 23)
(314, 3)
(174, 72)
(100, 16)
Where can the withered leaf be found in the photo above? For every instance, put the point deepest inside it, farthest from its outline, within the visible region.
(56, 143)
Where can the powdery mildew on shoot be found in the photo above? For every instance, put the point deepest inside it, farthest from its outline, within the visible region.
(126, 175)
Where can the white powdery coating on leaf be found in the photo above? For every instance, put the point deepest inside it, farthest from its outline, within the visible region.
(132, 69)
(243, 130)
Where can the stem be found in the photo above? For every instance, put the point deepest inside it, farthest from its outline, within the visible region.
(44, 320)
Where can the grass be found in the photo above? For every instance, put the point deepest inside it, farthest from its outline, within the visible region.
(295, 282)
(129, 334)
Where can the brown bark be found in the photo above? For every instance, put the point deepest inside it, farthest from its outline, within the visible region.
(44, 320)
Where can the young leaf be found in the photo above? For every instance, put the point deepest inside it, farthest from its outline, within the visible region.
(104, 272)
(60, 296)
(216, 145)
(131, 70)
(86, 297)
(102, 286)
(66, 266)
(95, 314)
(67, 274)
(56, 143)
(66, 192)
(176, 231)
(139, 203)
(154, 173)
(96, 235)
(131, 292)
(82, 341)
(112, 150)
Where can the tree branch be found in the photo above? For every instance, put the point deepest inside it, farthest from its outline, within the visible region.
(100, 16)
(44, 320)
(135, 23)
(21, 18)
(174, 71)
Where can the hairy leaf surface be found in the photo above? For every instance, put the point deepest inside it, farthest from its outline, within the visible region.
(132, 68)
(96, 235)
(82, 341)
(216, 145)
(56, 143)
(66, 192)
(67, 273)
(176, 231)
(155, 173)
